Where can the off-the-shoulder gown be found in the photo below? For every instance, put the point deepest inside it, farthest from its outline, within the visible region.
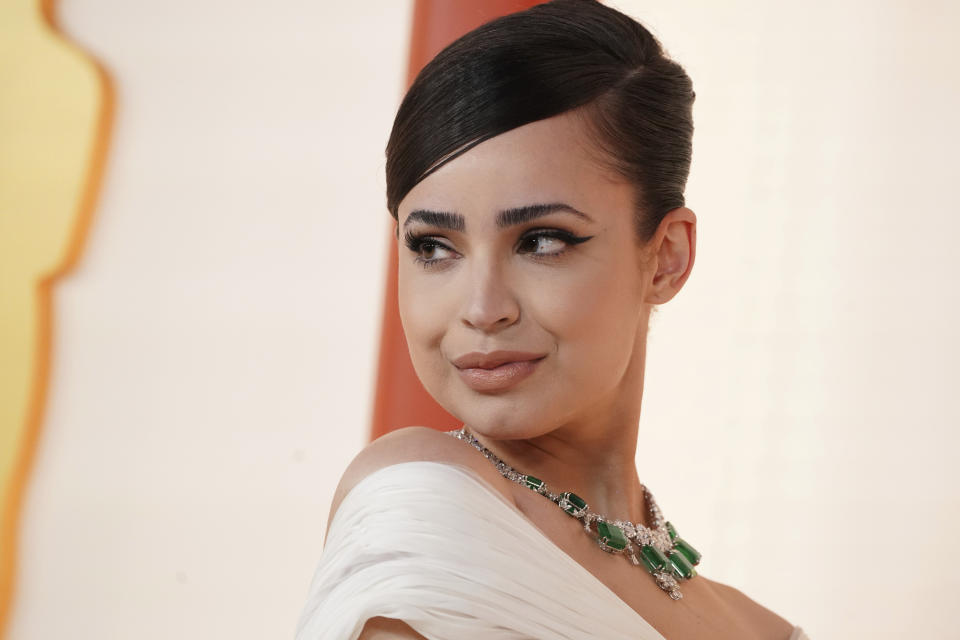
(434, 545)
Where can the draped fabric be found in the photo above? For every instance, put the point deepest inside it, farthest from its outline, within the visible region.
(434, 545)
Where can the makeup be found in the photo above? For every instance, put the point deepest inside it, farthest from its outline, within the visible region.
(498, 378)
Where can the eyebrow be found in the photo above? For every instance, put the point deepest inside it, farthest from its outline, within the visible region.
(505, 218)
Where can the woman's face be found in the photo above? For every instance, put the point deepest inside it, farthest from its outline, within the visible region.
(494, 256)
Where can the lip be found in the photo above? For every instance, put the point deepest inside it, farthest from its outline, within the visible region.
(497, 370)
(480, 360)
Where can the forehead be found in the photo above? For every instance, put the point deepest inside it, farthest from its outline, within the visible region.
(547, 161)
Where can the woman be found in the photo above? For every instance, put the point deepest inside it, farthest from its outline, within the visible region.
(536, 171)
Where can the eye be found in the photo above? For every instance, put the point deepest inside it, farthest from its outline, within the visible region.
(422, 244)
(554, 242)
(539, 243)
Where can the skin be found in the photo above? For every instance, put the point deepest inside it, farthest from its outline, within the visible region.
(574, 421)
(576, 417)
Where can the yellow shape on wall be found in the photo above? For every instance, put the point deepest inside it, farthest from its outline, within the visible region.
(55, 105)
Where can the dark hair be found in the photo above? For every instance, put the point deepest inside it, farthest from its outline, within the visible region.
(535, 64)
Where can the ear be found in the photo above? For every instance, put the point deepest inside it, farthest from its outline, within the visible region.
(673, 248)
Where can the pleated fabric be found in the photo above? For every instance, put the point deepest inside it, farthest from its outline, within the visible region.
(434, 545)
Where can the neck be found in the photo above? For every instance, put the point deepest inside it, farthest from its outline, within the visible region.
(593, 457)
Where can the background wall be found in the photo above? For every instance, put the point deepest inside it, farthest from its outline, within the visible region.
(214, 349)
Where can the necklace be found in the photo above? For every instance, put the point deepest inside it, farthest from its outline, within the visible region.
(668, 557)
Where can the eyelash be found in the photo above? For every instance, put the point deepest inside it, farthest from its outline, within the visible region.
(416, 242)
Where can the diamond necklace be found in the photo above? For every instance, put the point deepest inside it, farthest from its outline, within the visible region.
(668, 557)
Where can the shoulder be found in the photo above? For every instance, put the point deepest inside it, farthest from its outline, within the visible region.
(411, 444)
(753, 615)
(388, 629)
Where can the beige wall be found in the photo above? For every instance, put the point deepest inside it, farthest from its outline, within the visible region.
(214, 350)
(802, 383)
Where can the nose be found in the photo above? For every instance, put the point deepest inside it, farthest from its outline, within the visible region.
(489, 304)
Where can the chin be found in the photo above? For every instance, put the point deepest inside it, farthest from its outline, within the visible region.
(512, 415)
(505, 426)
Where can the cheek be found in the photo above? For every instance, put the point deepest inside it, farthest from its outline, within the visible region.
(593, 317)
(423, 315)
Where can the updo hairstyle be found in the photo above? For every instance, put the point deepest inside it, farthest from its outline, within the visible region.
(553, 58)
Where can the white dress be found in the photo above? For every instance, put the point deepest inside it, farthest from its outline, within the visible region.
(434, 545)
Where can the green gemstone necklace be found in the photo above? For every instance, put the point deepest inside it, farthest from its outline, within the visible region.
(665, 555)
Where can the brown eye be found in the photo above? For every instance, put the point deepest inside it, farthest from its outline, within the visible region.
(427, 247)
(549, 242)
(433, 247)
(425, 250)
(544, 242)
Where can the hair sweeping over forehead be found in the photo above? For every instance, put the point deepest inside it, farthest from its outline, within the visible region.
(542, 62)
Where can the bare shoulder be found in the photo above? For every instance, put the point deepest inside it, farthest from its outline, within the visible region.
(411, 444)
(388, 629)
(752, 614)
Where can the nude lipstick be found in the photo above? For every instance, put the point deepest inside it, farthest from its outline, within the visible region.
(497, 370)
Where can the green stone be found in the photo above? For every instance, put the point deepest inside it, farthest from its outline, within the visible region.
(684, 547)
(534, 483)
(611, 535)
(671, 531)
(652, 558)
(681, 566)
(572, 504)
